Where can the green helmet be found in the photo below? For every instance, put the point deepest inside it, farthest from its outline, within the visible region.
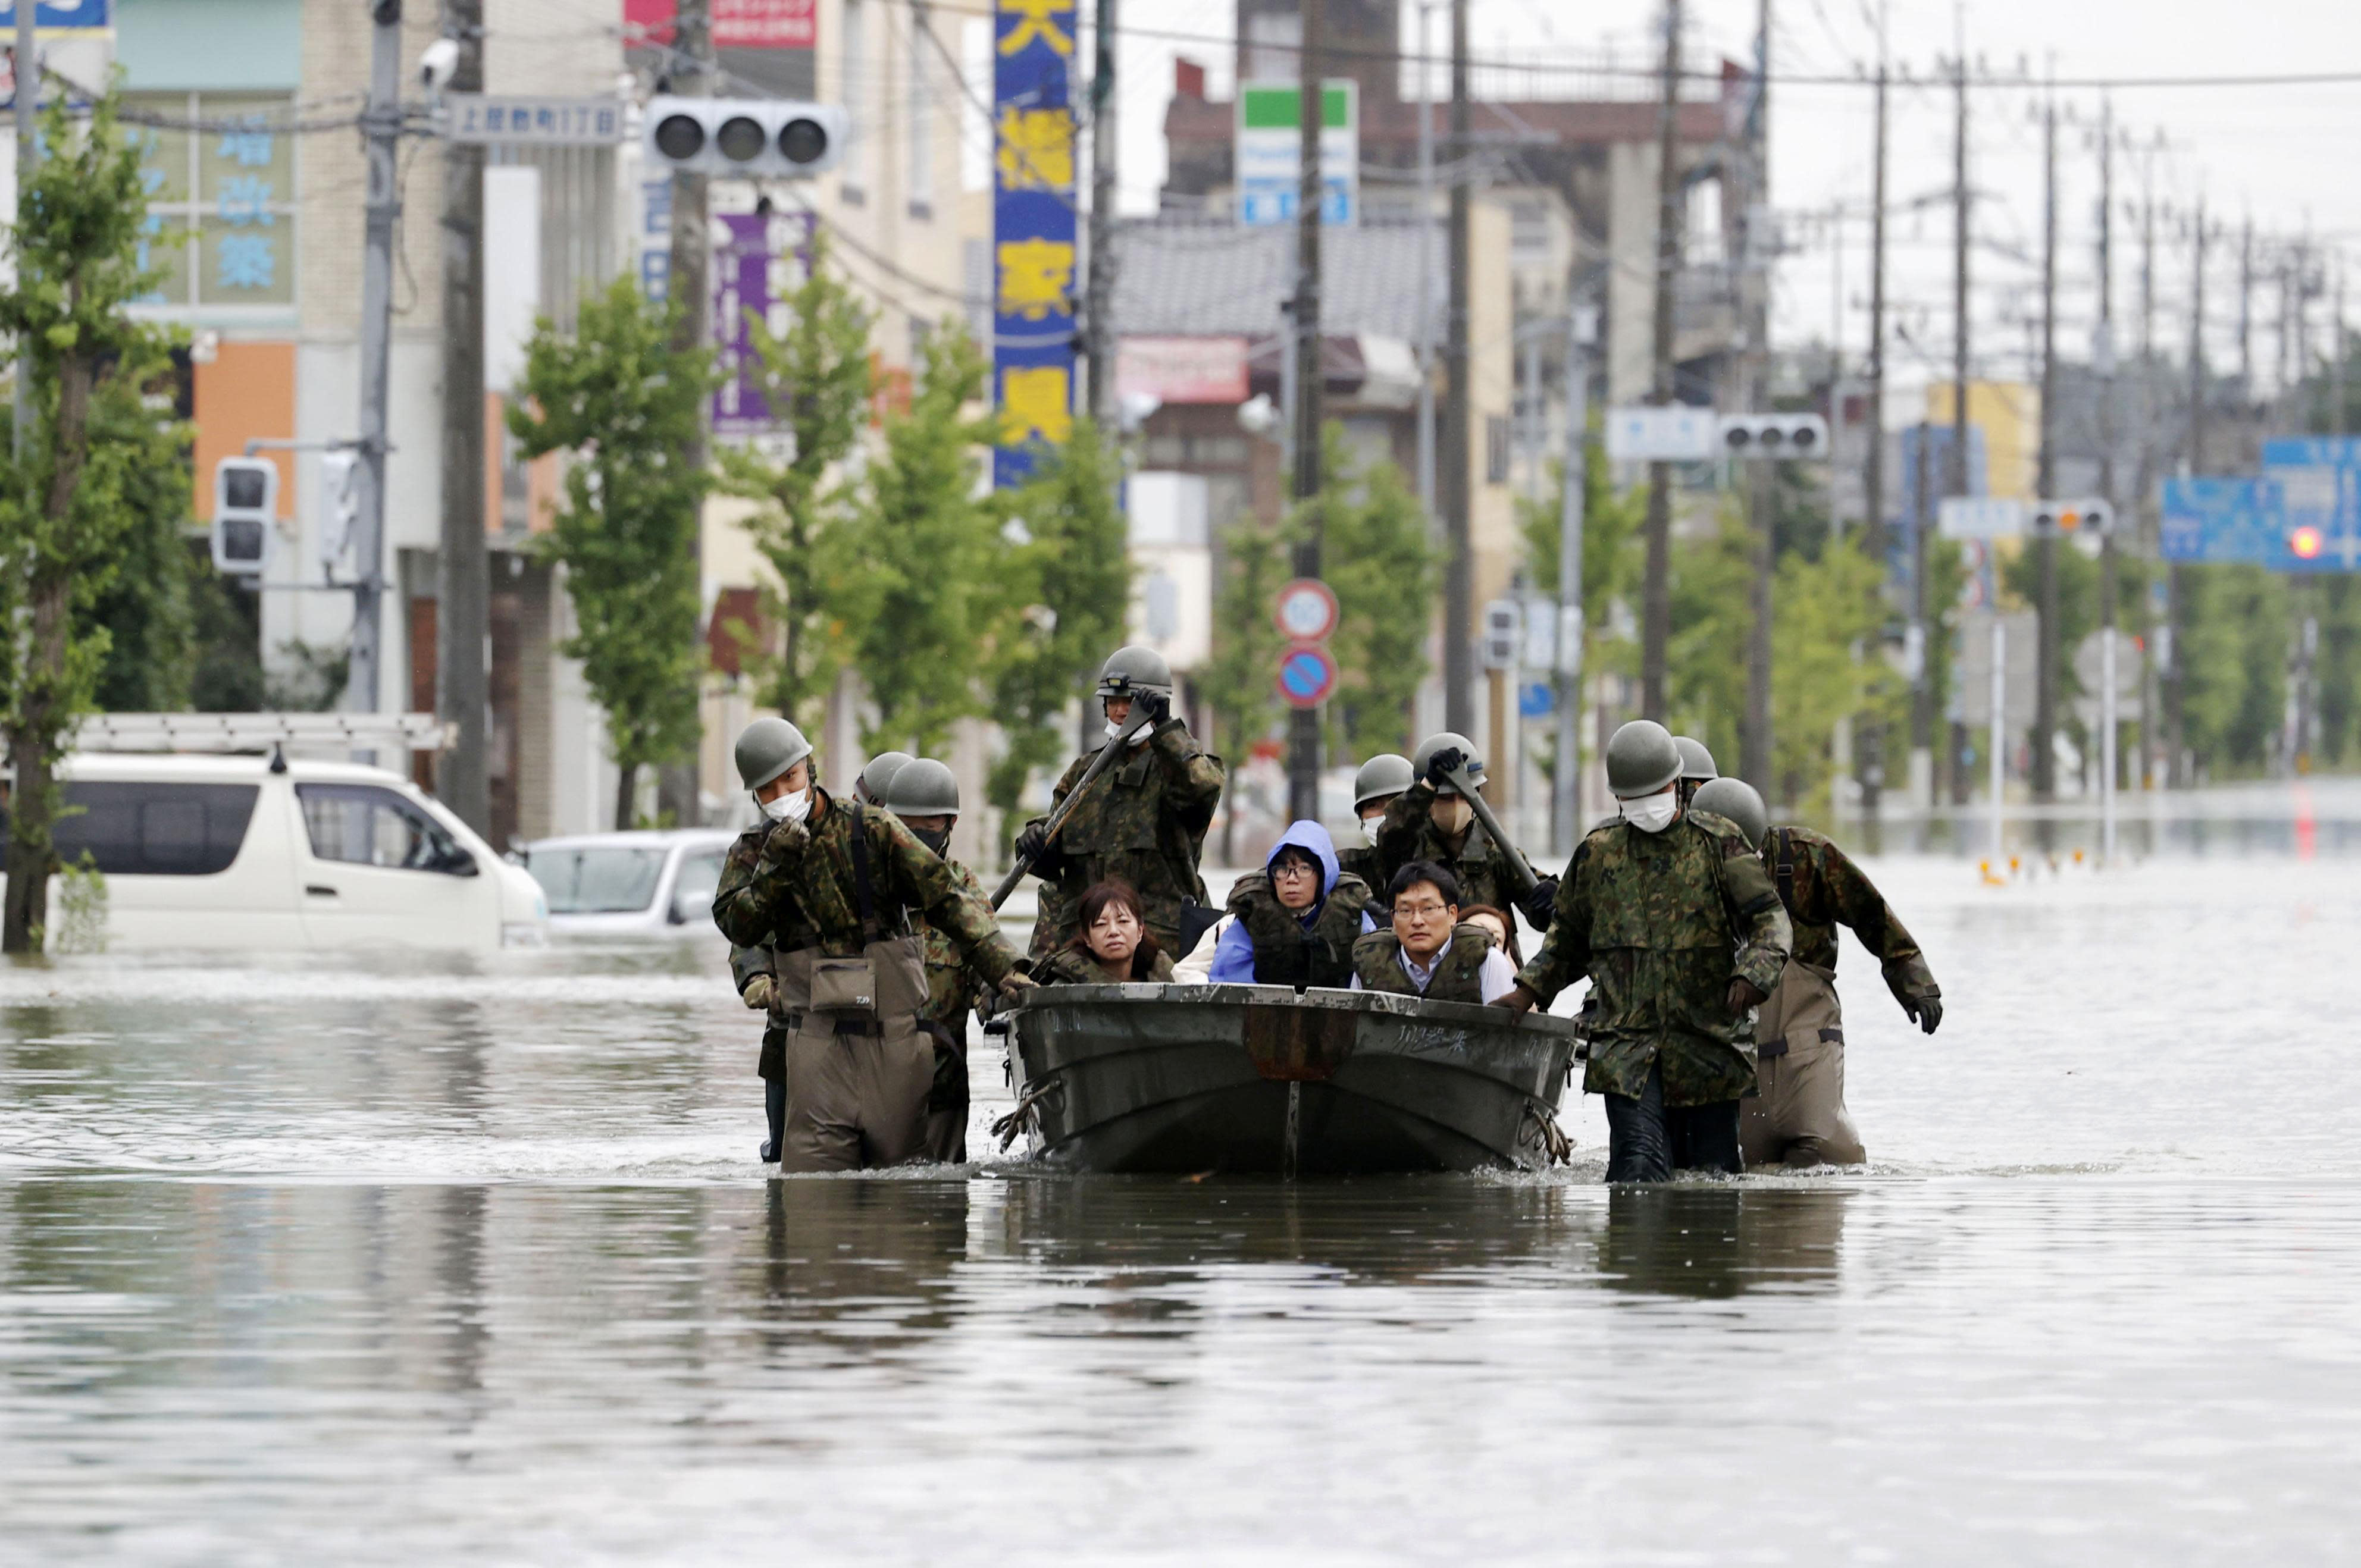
(767, 748)
(1735, 800)
(1134, 669)
(878, 776)
(922, 787)
(1387, 773)
(1641, 758)
(1696, 763)
(1448, 742)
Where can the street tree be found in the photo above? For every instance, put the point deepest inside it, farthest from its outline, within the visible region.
(625, 405)
(1377, 559)
(63, 507)
(1239, 681)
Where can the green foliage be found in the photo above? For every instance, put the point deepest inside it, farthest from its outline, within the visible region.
(922, 594)
(1072, 576)
(1705, 659)
(626, 404)
(1376, 555)
(81, 907)
(1237, 683)
(1823, 610)
(2233, 642)
(67, 505)
(1613, 550)
(148, 609)
(817, 374)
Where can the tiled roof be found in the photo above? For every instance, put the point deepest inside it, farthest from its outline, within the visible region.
(1193, 278)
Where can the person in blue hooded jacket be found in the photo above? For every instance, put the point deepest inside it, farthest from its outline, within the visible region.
(1294, 922)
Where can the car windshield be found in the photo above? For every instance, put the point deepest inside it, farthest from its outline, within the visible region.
(693, 889)
(596, 881)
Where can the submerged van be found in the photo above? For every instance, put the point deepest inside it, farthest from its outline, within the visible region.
(269, 852)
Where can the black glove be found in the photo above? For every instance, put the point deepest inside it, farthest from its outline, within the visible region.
(1744, 994)
(1154, 704)
(1541, 903)
(1443, 763)
(1926, 1012)
(1032, 842)
(1518, 999)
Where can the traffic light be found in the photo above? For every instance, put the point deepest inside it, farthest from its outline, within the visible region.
(246, 509)
(340, 506)
(1504, 633)
(2092, 517)
(1774, 435)
(776, 138)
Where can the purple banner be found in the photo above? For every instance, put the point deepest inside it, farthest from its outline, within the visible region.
(764, 260)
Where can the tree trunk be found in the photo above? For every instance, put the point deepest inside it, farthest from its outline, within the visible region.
(627, 788)
(29, 853)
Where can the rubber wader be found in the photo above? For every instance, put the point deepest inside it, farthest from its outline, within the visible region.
(947, 1097)
(1797, 1116)
(858, 1065)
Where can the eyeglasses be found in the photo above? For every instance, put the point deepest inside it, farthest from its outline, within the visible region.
(1290, 870)
(1421, 911)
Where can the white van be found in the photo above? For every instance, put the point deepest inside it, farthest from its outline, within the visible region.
(265, 852)
(644, 882)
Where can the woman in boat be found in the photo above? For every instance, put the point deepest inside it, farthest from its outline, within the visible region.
(1111, 945)
(1293, 923)
(1503, 929)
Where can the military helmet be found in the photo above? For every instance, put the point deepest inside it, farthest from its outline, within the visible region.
(767, 748)
(1387, 773)
(1735, 800)
(922, 787)
(1134, 669)
(878, 776)
(1448, 742)
(1696, 763)
(1641, 758)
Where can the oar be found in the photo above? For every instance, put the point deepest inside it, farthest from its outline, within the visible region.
(1518, 871)
(1107, 753)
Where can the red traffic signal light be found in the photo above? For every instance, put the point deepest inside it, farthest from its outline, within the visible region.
(2304, 544)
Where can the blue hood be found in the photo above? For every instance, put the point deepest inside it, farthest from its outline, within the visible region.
(1313, 839)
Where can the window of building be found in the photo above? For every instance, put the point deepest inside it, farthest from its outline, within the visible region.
(363, 826)
(918, 117)
(155, 829)
(1496, 449)
(221, 203)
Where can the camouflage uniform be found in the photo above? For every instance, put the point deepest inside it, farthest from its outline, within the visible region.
(1142, 822)
(1409, 834)
(1653, 919)
(953, 986)
(1458, 972)
(853, 1097)
(1361, 860)
(1067, 967)
(1798, 1115)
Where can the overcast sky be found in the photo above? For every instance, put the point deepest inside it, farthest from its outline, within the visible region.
(2280, 155)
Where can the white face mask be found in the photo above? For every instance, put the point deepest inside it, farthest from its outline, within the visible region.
(1113, 729)
(1369, 826)
(793, 806)
(1651, 813)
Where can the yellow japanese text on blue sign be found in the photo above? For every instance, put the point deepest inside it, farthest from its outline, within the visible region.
(1032, 231)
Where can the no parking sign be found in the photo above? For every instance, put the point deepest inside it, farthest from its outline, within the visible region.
(1307, 675)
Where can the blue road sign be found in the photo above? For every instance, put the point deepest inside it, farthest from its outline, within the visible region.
(2320, 484)
(1307, 675)
(1536, 699)
(2220, 520)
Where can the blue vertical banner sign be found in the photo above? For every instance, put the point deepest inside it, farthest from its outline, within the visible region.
(1032, 231)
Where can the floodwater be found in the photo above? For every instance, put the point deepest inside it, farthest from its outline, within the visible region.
(303, 1260)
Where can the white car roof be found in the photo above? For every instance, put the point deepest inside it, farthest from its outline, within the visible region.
(178, 767)
(638, 839)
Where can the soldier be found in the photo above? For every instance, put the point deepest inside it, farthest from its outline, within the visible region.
(1651, 910)
(1430, 822)
(827, 885)
(1143, 820)
(1428, 951)
(1696, 766)
(870, 787)
(1381, 778)
(924, 795)
(1797, 1116)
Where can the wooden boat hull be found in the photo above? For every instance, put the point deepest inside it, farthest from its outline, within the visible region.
(1261, 1078)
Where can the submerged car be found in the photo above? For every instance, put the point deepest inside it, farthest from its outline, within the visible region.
(647, 883)
(258, 852)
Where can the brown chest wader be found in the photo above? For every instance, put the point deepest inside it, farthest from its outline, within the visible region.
(1797, 1116)
(858, 1065)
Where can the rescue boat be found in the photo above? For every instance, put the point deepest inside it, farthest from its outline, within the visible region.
(1254, 1078)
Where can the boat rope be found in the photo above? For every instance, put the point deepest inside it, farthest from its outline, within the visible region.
(1027, 1116)
(1549, 1139)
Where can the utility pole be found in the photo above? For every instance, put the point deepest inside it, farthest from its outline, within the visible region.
(2337, 419)
(2045, 698)
(2103, 358)
(690, 290)
(1871, 747)
(1761, 473)
(1565, 794)
(2246, 307)
(1426, 274)
(1458, 572)
(1657, 597)
(1303, 723)
(2158, 650)
(462, 575)
(2175, 692)
(380, 130)
(24, 74)
(1098, 343)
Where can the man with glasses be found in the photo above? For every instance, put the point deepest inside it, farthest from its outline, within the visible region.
(1428, 952)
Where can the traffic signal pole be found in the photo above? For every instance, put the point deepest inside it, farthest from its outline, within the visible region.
(380, 130)
(689, 287)
(463, 587)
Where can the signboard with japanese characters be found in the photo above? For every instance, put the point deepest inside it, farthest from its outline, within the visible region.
(766, 258)
(1032, 231)
(221, 202)
(736, 23)
(533, 121)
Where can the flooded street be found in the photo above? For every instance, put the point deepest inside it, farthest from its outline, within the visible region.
(473, 1262)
